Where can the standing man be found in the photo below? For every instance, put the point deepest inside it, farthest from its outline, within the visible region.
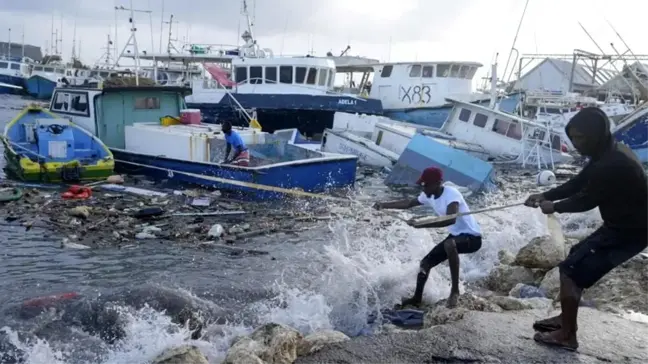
(241, 153)
(465, 234)
(615, 182)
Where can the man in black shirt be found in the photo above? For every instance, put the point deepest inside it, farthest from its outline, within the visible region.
(615, 182)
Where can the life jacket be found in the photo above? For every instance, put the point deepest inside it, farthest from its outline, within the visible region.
(77, 192)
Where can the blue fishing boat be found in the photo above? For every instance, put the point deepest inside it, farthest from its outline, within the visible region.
(40, 86)
(133, 123)
(633, 131)
(459, 167)
(41, 147)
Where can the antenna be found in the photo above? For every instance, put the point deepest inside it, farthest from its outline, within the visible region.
(132, 40)
(74, 55)
(107, 57)
(170, 45)
(161, 26)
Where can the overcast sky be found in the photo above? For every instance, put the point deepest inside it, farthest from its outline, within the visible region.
(468, 30)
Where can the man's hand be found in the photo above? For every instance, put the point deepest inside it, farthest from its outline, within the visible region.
(534, 200)
(547, 207)
(377, 205)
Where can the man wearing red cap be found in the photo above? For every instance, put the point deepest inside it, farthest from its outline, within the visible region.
(465, 233)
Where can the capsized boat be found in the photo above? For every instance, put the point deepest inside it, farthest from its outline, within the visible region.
(40, 146)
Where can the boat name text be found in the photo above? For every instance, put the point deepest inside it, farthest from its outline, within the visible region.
(347, 102)
(415, 94)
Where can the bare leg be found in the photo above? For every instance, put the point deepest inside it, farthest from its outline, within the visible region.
(565, 336)
(453, 260)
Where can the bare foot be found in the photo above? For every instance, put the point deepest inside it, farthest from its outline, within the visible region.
(453, 300)
(549, 324)
(557, 338)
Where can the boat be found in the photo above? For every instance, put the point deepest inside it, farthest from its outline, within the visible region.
(458, 167)
(334, 141)
(416, 92)
(13, 71)
(633, 132)
(134, 123)
(41, 146)
(284, 91)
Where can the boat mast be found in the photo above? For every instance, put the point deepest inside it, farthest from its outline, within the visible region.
(513, 49)
(132, 40)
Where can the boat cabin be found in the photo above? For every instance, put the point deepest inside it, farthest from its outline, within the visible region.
(406, 85)
(281, 75)
(503, 134)
(14, 67)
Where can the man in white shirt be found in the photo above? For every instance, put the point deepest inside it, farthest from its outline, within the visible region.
(465, 233)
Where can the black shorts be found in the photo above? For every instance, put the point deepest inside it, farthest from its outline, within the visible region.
(596, 255)
(465, 243)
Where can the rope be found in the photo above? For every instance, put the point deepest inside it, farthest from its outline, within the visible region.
(434, 219)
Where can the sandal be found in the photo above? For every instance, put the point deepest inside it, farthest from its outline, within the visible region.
(546, 338)
(548, 325)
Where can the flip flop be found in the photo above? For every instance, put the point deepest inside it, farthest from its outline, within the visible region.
(546, 339)
(546, 325)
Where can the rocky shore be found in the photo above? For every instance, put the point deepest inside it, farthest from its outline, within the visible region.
(492, 324)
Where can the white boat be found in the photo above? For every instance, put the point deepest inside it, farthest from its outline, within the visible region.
(368, 153)
(13, 72)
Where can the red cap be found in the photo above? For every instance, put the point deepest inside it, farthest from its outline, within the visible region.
(430, 175)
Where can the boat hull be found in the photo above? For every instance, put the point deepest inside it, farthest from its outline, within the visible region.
(24, 170)
(311, 114)
(11, 80)
(314, 177)
(636, 138)
(368, 152)
(40, 87)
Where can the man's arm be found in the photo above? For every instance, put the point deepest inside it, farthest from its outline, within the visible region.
(452, 209)
(567, 189)
(228, 149)
(401, 204)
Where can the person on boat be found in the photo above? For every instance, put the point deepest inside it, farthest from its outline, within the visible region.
(615, 182)
(465, 234)
(241, 155)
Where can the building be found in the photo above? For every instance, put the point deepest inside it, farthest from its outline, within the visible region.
(627, 85)
(555, 74)
(16, 50)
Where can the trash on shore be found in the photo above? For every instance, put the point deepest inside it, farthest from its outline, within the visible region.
(121, 212)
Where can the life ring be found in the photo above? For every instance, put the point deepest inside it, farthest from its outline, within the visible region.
(77, 192)
(48, 300)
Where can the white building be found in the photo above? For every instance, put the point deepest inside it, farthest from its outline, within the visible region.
(555, 75)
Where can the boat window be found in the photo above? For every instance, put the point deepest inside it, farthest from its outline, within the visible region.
(464, 115)
(103, 74)
(241, 74)
(256, 75)
(312, 76)
(4, 64)
(443, 70)
(38, 68)
(386, 71)
(271, 75)
(48, 69)
(331, 78)
(79, 103)
(480, 120)
(551, 110)
(300, 74)
(537, 134)
(323, 73)
(428, 71)
(500, 126)
(471, 73)
(415, 70)
(15, 66)
(463, 71)
(60, 102)
(286, 74)
(555, 142)
(61, 71)
(514, 130)
(147, 103)
(454, 71)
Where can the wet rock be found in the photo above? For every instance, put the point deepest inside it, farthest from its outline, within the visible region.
(503, 278)
(522, 290)
(187, 354)
(505, 257)
(490, 337)
(82, 212)
(624, 288)
(544, 252)
(216, 231)
(551, 283)
(319, 339)
(441, 315)
(516, 304)
(270, 343)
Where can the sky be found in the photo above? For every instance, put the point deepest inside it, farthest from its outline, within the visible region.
(388, 30)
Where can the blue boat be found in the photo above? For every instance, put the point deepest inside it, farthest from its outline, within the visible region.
(633, 132)
(458, 166)
(40, 87)
(131, 122)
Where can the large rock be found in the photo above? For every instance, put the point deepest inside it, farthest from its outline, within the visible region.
(187, 354)
(319, 339)
(490, 337)
(503, 278)
(544, 252)
(439, 314)
(551, 283)
(269, 344)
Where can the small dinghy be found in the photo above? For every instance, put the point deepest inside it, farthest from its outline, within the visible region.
(10, 194)
(40, 146)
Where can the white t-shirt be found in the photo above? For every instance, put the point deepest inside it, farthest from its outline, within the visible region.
(464, 224)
